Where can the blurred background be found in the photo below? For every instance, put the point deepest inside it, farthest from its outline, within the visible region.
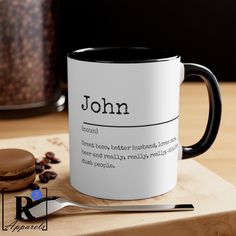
(202, 32)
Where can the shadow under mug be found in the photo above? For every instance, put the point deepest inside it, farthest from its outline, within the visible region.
(124, 120)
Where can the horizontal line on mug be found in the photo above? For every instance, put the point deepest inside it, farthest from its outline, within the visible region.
(131, 126)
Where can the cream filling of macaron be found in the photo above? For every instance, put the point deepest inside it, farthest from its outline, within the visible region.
(18, 174)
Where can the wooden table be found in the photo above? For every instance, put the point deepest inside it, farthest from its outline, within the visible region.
(193, 116)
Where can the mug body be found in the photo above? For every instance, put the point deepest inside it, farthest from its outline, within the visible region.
(123, 121)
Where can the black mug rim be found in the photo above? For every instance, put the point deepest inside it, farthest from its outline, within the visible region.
(152, 55)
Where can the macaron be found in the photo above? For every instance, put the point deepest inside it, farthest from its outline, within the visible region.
(17, 169)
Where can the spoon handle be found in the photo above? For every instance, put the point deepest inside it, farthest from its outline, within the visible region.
(138, 208)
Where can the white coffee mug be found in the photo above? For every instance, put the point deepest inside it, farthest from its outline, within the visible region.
(124, 120)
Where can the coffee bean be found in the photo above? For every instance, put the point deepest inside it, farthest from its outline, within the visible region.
(47, 166)
(34, 186)
(55, 160)
(44, 162)
(43, 178)
(50, 174)
(53, 174)
(37, 161)
(46, 175)
(39, 168)
(47, 160)
(50, 155)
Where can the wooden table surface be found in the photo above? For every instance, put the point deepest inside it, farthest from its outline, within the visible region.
(221, 157)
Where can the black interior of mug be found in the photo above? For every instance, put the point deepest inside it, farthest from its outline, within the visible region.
(123, 55)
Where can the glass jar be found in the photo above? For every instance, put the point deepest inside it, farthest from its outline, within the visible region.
(29, 60)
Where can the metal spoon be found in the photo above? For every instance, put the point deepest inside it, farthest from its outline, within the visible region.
(49, 205)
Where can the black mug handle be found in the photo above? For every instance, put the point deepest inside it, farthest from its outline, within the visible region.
(214, 117)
